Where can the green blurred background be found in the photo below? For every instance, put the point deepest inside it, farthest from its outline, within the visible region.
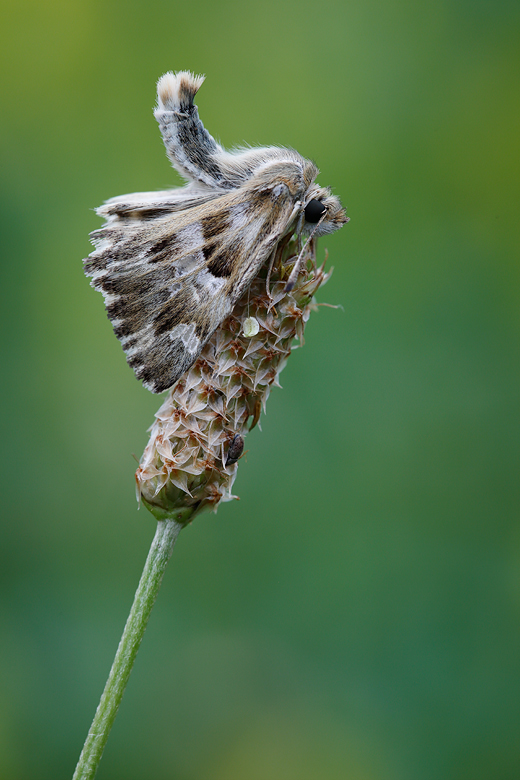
(356, 615)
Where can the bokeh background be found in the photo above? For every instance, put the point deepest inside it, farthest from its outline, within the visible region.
(355, 616)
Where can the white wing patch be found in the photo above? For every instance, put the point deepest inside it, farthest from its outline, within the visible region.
(186, 334)
(213, 284)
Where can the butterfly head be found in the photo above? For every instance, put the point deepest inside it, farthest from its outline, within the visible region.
(322, 212)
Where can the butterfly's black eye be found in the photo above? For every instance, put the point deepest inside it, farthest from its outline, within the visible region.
(314, 210)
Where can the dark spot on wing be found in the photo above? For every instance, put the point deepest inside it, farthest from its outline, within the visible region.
(219, 257)
(173, 312)
(128, 327)
(203, 331)
(214, 226)
(163, 249)
(220, 261)
(148, 214)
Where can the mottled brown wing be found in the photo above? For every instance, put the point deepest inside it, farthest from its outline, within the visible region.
(170, 275)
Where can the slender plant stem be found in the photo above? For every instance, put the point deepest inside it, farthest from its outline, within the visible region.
(146, 593)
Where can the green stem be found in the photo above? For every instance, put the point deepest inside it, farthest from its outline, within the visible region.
(146, 593)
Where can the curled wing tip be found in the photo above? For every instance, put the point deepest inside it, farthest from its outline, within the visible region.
(176, 91)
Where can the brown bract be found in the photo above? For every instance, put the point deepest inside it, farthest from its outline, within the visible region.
(188, 465)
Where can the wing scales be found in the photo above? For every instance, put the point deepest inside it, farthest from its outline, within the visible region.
(169, 279)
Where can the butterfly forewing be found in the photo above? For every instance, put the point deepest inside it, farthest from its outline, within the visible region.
(170, 282)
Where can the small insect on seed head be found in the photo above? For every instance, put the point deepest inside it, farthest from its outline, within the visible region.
(235, 450)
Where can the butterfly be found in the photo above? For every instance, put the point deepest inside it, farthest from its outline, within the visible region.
(171, 265)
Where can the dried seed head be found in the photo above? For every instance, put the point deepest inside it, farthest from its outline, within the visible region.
(190, 462)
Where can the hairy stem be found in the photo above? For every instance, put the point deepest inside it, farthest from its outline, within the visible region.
(146, 593)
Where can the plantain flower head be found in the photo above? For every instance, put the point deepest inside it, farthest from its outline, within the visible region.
(190, 462)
